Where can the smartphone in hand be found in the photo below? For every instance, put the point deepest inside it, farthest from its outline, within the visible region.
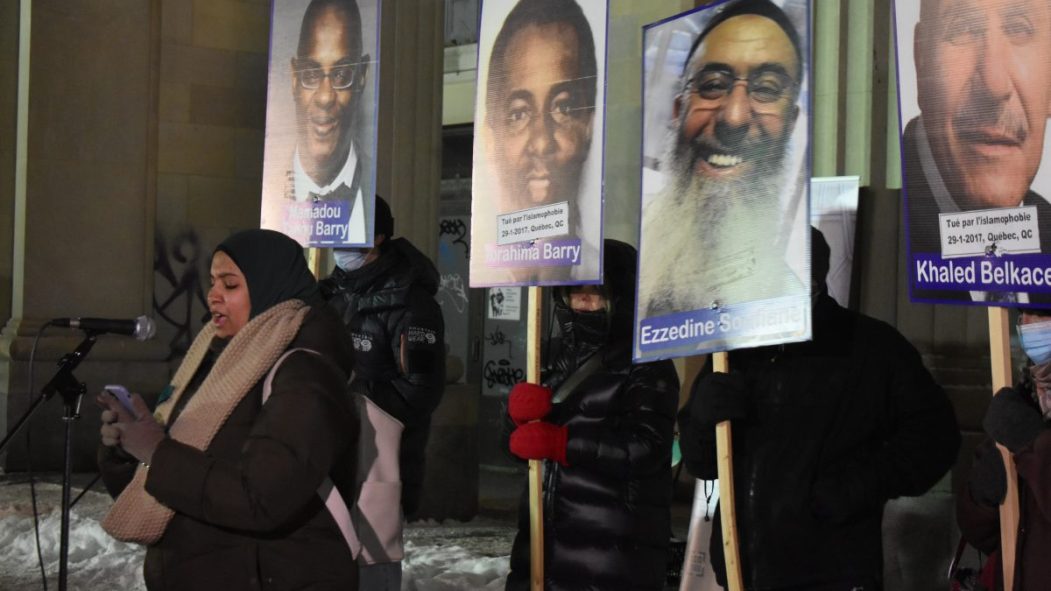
(121, 394)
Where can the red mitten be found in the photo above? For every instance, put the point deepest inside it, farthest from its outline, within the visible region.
(528, 402)
(540, 441)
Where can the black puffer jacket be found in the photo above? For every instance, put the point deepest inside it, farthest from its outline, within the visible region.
(836, 427)
(607, 514)
(385, 304)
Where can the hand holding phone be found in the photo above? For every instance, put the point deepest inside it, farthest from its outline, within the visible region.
(122, 395)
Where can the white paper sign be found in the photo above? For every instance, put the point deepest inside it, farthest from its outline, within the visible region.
(989, 231)
(545, 221)
(505, 303)
(697, 571)
(834, 211)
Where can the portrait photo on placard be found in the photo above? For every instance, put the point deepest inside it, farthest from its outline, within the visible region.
(974, 85)
(536, 209)
(724, 239)
(319, 169)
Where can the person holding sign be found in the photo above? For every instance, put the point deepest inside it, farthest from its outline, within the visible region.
(605, 428)
(384, 296)
(1017, 418)
(328, 77)
(983, 85)
(706, 236)
(825, 432)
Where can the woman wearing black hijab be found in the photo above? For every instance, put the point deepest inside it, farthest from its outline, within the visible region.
(236, 480)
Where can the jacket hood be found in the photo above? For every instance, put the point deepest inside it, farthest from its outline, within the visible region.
(620, 263)
(422, 271)
(618, 286)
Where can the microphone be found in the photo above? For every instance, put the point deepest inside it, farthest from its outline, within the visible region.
(142, 328)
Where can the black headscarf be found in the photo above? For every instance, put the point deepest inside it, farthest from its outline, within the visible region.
(274, 267)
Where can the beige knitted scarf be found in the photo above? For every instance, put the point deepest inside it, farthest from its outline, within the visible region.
(138, 517)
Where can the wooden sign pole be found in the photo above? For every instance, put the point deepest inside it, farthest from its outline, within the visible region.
(314, 261)
(727, 508)
(536, 469)
(1000, 357)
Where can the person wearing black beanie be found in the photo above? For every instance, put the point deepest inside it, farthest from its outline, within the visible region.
(385, 297)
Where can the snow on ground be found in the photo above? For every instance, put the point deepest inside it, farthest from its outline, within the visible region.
(439, 557)
(445, 568)
(96, 561)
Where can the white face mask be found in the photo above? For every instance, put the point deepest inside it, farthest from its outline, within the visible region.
(1041, 375)
(1036, 340)
(350, 259)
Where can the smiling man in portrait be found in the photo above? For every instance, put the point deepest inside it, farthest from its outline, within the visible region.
(328, 76)
(715, 234)
(318, 168)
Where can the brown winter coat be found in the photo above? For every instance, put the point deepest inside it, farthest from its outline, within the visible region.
(980, 525)
(247, 512)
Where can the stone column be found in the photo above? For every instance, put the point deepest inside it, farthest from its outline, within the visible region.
(84, 202)
(408, 155)
(408, 176)
(8, 108)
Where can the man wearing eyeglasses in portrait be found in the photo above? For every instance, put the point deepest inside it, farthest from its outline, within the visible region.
(983, 86)
(716, 232)
(329, 72)
(540, 111)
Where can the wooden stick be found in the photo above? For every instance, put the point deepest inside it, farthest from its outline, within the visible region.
(314, 261)
(536, 469)
(727, 509)
(1000, 357)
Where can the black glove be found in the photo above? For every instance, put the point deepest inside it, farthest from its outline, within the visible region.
(1012, 421)
(987, 481)
(719, 397)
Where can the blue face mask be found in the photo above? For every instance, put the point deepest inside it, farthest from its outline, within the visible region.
(1036, 340)
(350, 259)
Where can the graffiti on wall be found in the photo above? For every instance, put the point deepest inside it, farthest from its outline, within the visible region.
(454, 231)
(497, 338)
(451, 289)
(452, 239)
(501, 373)
(177, 267)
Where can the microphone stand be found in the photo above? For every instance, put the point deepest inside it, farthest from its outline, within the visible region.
(72, 393)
